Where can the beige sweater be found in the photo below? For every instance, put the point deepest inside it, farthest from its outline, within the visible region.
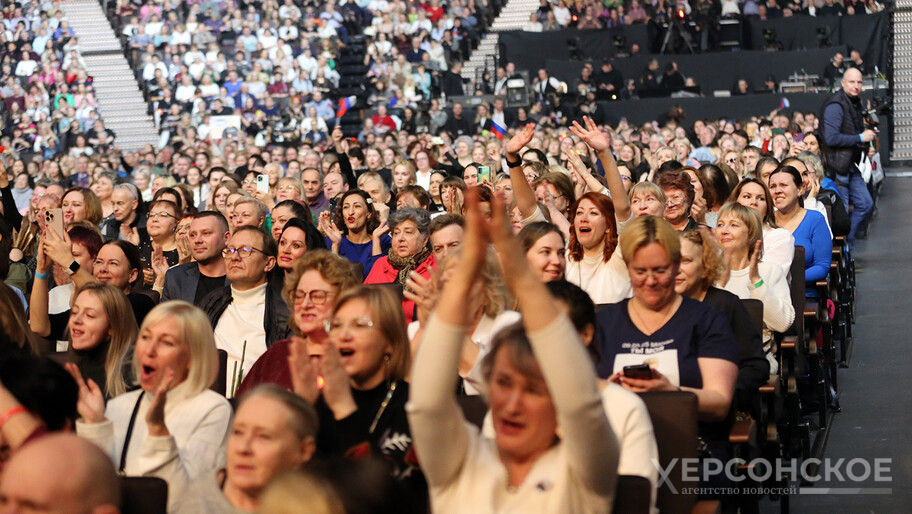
(463, 468)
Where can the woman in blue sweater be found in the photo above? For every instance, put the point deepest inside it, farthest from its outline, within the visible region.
(361, 238)
(808, 227)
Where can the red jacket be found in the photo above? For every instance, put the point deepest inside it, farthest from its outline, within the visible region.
(384, 273)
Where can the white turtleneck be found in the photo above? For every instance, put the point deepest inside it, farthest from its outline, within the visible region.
(242, 321)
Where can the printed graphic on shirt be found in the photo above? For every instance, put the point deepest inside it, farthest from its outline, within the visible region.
(652, 353)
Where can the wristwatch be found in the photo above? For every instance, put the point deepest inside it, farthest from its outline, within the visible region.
(74, 267)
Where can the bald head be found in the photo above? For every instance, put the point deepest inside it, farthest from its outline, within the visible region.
(60, 473)
(851, 82)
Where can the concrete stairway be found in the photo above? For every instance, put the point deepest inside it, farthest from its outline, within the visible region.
(513, 16)
(902, 82)
(120, 101)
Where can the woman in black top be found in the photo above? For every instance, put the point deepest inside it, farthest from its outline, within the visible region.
(701, 267)
(101, 330)
(362, 403)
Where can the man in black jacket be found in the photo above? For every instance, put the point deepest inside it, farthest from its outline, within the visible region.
(844, 140)
(249, 315)
(452, 82)
(457, 124)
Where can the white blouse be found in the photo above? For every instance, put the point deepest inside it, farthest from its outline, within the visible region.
(606, 282)
(198, 427)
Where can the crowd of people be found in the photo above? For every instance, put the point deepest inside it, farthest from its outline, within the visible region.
(48, 102)
(257, 321)
(356, 294)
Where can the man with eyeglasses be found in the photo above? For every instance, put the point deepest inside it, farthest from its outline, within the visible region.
(249, 315)
(191, 282)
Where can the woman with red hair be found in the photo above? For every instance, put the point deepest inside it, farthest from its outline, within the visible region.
(592, 260)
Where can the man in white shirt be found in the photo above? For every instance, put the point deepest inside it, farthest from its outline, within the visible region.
(249, 315)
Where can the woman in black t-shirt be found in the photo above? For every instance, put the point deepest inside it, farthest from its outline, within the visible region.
(688, 345)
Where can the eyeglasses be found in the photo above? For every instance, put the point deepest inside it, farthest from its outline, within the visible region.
(242, 251)
(356, 325)
(317, 296)
(288, 188)
(153, 215)
(676, 199)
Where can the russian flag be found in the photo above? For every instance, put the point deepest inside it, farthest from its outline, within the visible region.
(784, 103)
(345, 104)
(498, 130)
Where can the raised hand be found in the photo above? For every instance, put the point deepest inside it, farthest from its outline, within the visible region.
(303, 372)
(155, 417)
(57, 248)
(424, 292)
(183, 249)
(379, 231)
(590, 134)
(754, 262)
(130, 234)
(44, 262)
(265, 197)
(814, 189)
(520, 140)
(159, 264)
(329, 228)
(90, 404)
(336, 387)
(698, 209)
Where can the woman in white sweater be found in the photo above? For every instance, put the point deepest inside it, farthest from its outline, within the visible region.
(741, 235)
(173, 427)
(539, 378)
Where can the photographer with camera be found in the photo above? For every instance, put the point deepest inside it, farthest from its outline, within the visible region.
(844, 141)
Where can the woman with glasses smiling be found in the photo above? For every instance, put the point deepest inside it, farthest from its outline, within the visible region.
(311, 287)
(361, 405)
(161, 225)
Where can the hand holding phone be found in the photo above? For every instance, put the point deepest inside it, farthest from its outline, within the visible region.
(638, 371)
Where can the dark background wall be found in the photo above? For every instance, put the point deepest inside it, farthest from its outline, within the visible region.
(869, 33)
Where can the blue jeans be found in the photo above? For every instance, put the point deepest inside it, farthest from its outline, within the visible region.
(855, 190)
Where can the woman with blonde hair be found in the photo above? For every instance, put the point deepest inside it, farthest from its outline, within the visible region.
(404, 174)
(361, 405)
(102, 330)
(176, 361)
(740, 234)
(688, 345)
(647, 199)
(298, 492)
